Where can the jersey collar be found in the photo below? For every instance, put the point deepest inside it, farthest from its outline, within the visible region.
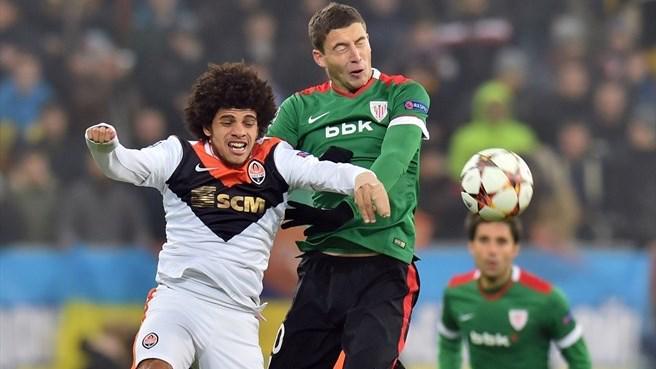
(516, 273)
(495, 295)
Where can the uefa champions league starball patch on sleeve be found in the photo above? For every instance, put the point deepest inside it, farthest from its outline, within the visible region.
(417, 106)
(568, 318)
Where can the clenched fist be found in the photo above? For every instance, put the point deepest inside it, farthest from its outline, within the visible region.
(101, 133)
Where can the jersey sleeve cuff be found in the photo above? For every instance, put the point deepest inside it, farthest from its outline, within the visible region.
(446, 332)
(413, 121)
(571, 338)
(101, 147)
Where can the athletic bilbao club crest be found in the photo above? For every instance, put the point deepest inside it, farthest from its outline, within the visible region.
(256, 172)
(518, 318)
(378, 110)
(150, 340)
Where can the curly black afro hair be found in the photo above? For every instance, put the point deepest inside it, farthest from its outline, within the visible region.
(228, 85)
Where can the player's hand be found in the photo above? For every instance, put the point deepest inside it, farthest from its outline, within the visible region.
(319, 220)
(101, 133)
(371, 197)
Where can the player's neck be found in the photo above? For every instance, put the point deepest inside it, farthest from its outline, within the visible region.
(210, 149)
(494, 284)
(344, 90)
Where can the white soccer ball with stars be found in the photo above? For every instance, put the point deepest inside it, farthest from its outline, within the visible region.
(496, 184)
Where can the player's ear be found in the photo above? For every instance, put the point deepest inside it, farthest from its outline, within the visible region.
(516, 249)
(470, 248)
(318, 58)
(207, 131)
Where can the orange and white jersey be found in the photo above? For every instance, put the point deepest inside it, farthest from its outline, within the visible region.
(220, 220)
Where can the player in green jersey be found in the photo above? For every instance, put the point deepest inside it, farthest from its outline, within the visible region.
(357, 284)
(507, 316)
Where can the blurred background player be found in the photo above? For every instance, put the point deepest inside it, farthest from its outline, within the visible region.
(224, 197)
(507, 316)
(358, 284)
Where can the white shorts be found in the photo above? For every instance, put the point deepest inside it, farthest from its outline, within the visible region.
(181, 329)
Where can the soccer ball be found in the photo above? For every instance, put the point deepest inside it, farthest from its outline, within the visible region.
(496, 184)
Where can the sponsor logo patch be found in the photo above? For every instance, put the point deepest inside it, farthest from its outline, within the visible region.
(256, 172)
(416, 106)
(150, 340)
(303, 154)
(349, 128)
(489, 339)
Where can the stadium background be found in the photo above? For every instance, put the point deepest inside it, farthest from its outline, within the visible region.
(578, 78)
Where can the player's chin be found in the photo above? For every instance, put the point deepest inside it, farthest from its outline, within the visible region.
(359, 79)
(236, 160)
(356, 78)
(492, 269)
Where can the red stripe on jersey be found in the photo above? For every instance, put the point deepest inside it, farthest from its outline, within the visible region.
(394, 79)
(534, 282)
(324, 87)
(230, 176)
(462, 279)
(357, 92)
(413, 288)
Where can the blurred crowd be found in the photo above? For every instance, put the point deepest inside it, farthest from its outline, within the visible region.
(570, 85)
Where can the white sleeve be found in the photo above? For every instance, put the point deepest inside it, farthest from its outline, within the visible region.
(148, 167)
(302, 170)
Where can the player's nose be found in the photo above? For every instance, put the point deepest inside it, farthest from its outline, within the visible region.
(354, 54)
(238, 130)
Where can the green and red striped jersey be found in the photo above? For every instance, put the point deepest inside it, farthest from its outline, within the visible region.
(382, 124)
(511, 327)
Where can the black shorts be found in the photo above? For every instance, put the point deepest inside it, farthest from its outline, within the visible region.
(348, 312)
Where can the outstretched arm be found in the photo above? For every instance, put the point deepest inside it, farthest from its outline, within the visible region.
(302, 170)
(150, 166)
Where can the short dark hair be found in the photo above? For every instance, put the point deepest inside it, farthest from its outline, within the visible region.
(474, 220)
(225, 86)
(332, 16)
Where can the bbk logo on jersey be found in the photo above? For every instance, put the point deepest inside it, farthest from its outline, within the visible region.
(378, 110)
(350, 128)
(489, 339)
(256, 172)
(518, 318)
(150, 340)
